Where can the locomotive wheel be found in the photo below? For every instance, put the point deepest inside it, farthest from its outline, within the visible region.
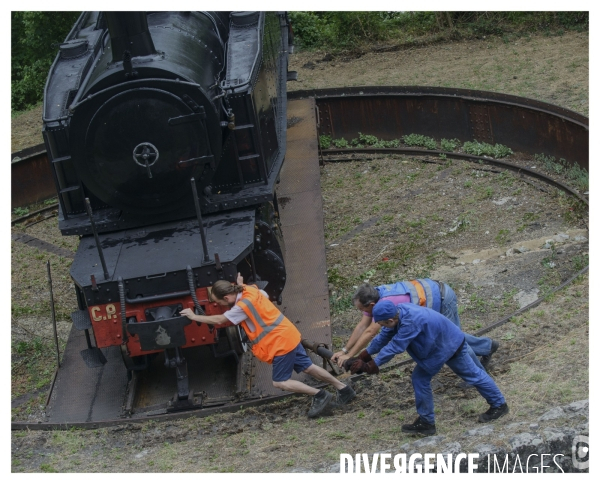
(135, 362)
(234, 336)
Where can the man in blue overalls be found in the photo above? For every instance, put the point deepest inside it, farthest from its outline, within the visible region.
(431, 340)
(435, 295)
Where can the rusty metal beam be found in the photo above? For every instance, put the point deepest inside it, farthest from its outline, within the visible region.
(525, 125)
(31, 177)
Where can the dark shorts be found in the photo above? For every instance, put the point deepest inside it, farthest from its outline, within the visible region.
(296, 360)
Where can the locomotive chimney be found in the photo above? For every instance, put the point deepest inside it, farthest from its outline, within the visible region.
(129, 32)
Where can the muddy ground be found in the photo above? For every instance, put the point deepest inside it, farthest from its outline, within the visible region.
(499, 240)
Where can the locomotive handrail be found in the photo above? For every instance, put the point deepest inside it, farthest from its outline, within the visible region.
(158, 297)
(252, 76)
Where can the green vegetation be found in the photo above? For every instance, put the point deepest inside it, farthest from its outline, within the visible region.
(573, 172)
(338, 31)
(470, 147)
(33, 361)
(502, 236)
(580, 261)
(370, 140)
(47, 468)
(340, 143)
(341, 302)
(464, 221)
(325, 142)
(21, 211)
(419, 140)
(449, 144)
(34, 39)
(485, 193)
(486, 149)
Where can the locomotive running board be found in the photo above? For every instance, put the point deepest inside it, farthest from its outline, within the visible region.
(92, 397)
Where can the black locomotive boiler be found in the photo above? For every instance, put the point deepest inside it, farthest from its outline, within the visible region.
(166, 133)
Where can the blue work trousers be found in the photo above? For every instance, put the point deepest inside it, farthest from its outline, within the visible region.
(463, 366)
(477, 346)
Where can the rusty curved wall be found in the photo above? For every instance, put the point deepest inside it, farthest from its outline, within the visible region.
(524, 125)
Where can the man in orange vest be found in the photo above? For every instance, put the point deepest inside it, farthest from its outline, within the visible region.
(274, 340)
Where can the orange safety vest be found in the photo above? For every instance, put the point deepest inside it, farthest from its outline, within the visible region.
(274, 334)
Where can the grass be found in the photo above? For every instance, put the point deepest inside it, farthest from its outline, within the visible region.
(477, 303)
(463, 221)
(70, 441)
(32, 365)
(485, 149)
(502, 237)
(580, 261)
(579, 177)
(341, 303)
(47, 468)
(485, 193)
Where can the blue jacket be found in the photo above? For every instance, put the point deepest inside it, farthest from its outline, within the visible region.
(428, 337)
(430, 289)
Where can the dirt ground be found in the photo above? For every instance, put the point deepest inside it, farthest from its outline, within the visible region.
(498, 240)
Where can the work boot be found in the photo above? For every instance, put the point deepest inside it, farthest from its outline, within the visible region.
(493, 413)
(419, 426)
(345, 395)
(320, 402)
(485, 360)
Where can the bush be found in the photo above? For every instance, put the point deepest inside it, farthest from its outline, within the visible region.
(348, 30)
(34, 39)
(485, 149)
(419, 140)
(340, 143)
(325, 141)
(449, 144)
(577, 175)
(342, 30)
(307, 29)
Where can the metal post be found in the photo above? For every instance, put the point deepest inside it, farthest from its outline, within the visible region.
(88, 207)
(53, 314)
(199, 215)
(253, 267)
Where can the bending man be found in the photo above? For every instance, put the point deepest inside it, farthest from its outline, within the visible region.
(435, 295)
(432, 340)
(274, 339)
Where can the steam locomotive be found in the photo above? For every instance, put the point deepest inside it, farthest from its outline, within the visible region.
(166, 133)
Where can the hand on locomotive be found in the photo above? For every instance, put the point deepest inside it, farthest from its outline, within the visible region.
(274, 340)
(431, 335)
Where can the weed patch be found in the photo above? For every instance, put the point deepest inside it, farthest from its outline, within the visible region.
(485, 149)
(578, 176)
(419, 140)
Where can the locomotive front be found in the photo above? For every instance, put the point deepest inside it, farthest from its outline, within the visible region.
(166, 135)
